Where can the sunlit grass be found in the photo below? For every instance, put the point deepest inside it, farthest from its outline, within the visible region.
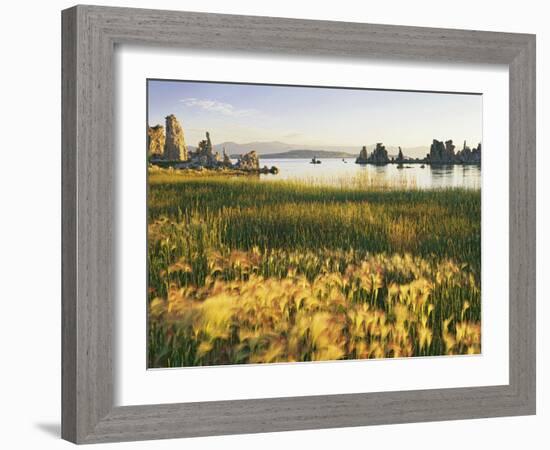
(243, 271)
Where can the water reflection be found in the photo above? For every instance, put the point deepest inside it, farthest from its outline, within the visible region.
(338, 171)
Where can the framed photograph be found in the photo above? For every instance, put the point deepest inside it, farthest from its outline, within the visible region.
(278, 224)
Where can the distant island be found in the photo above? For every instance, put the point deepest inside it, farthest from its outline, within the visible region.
(306, 154)
(441, 153)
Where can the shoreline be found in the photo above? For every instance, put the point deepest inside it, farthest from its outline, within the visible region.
(426, 163)
(172, 166)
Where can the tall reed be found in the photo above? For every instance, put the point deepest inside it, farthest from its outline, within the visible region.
(244, 271)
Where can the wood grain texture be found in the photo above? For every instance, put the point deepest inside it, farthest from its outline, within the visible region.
(522, 224)
(89, 37)
(68, 226)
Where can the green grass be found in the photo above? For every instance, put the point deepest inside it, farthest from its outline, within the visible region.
(243, 213)
(201, 221)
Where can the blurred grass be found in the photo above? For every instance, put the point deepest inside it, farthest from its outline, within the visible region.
(209, 235)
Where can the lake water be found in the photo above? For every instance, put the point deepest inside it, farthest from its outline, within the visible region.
(341, 172)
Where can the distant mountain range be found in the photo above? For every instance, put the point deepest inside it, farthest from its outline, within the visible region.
(277, 149)
(300, 154)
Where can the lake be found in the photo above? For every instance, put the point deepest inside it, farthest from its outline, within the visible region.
(341, 172)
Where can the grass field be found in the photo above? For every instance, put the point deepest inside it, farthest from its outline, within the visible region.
(244, 271)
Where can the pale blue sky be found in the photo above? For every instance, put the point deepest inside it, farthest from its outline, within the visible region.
(315, 116)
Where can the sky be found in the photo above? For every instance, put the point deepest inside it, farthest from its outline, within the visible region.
(245, 113)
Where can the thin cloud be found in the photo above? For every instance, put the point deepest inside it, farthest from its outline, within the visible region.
(226, 109)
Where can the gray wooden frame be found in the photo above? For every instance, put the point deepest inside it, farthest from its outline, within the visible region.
(89, 37)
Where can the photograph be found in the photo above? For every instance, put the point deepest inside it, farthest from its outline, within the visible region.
(299, 223)
(265, 225)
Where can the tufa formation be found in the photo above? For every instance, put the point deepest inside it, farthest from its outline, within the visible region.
(155, 141)
(169, 150)
(378, 156)
(441, 153)
(363, 157)
(174, 145)
(248, 161)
